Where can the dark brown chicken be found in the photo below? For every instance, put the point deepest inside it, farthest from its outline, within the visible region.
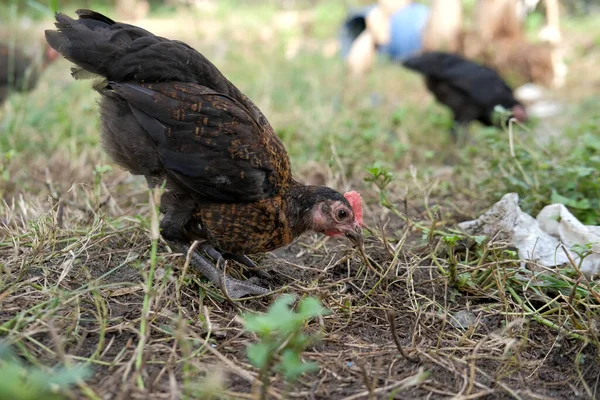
(168, 113)
(470, 90)
(19, 72)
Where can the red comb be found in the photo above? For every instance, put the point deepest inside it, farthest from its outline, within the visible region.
(356, 203)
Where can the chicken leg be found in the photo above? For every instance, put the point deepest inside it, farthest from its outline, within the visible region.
(241, 258)
(460, 133)
(235, 288)
(178, 228)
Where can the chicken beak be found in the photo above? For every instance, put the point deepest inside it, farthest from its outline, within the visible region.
(356, 237)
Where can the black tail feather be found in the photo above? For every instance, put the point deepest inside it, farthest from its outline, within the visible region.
(85, 42)
(94, 16)
(120, 52)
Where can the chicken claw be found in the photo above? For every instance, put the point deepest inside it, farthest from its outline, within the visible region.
(235, 288)
(241, 258)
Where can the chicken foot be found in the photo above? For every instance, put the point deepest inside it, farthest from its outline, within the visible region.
(235, 288)
(241, 258)
(460, 133)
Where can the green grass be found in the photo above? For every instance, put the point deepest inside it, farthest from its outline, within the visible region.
(83, 278)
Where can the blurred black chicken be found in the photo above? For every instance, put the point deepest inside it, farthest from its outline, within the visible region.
(470, 90)
(168, 113)
(20, 72)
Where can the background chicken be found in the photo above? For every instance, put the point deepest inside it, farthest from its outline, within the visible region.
(470, 90)
(169, 114)
(19, 72)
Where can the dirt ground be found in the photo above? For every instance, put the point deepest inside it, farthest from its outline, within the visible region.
(93, 304)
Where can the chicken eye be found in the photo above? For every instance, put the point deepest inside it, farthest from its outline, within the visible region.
(342, 214)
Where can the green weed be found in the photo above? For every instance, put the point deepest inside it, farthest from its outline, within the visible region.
(22, 382)
(282, 340)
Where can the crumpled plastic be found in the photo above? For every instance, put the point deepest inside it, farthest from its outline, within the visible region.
(539, 239)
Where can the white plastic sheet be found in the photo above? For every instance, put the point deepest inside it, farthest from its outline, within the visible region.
(539, 239)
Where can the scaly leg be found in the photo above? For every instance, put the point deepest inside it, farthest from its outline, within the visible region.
(460, 133)
(235, 288)
(242, 259)
(178, 210)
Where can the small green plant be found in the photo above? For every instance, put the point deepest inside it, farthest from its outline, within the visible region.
(500, 115)
(451, 241)
(20, 382)
(5, 159)
(381, 178)
(282, 340)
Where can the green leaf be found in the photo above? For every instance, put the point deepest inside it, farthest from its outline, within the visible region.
(399, 115)
(21, 383)
(293, 367)
(279, 317)
(584, 171)
(258, 354)
(583, 204)
(280, 314)
(479, 239)
(102, 169)
(68, 376)
(280, 329)
(299, 341)
(451, 240)
(510, 253)
(260, 324)
(5, 351)
(311, 307)
(582, 250)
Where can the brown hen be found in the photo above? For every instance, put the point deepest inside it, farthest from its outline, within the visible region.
(168, 113)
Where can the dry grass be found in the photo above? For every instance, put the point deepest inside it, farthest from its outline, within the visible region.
(76, 282)
(84, 278)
